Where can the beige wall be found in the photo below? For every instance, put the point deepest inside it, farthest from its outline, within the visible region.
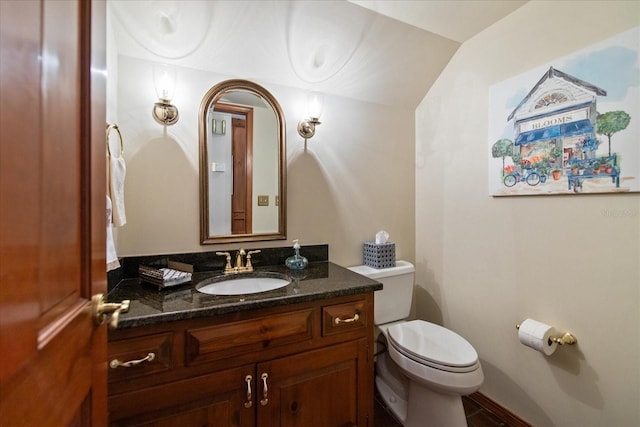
(479, 270)
(354, 178)
(484, 264)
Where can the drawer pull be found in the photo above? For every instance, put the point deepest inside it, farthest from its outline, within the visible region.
(249, 401)
(355, 318)
(265, 389)
(115, 363)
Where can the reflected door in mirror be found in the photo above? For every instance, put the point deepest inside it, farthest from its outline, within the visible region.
(242, 178)
(231, 157)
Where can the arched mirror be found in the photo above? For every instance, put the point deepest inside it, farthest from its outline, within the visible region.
(242, 164)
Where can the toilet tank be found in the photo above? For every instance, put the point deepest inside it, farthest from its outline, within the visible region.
(393, 302)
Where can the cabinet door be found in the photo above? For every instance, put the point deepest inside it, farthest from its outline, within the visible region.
(216, 399)
(325, 387)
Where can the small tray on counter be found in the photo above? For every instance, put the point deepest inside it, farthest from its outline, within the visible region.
(174, 274)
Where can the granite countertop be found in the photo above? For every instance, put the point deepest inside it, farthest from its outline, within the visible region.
(151, 305)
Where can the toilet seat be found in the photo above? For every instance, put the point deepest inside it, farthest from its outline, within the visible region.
(433, 346)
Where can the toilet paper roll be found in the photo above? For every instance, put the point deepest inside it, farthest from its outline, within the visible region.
(537, 335)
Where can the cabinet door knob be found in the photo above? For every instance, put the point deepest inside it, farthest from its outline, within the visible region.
(355, 318)
(249, 401)
(265, 389)
(115, 363)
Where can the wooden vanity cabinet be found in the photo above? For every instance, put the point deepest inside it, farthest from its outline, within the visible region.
(213, 399)
(308, 364)
(316, 388)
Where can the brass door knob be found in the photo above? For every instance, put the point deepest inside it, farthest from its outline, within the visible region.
(101, 310)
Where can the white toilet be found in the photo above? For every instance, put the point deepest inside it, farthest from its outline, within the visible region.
(426, 368)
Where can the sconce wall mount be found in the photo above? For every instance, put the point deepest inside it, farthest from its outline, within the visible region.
(165, 113)
(307, 127)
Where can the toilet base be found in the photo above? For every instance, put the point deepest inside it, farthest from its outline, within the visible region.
(396, 404)
(427, 408)
(413, 404)
(392, 386)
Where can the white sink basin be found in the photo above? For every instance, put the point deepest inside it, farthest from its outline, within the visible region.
(241, 285)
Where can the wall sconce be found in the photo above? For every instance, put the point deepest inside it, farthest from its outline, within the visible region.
(164, 80)
(307, 127)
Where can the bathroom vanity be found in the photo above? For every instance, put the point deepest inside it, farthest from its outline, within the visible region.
(299, 355)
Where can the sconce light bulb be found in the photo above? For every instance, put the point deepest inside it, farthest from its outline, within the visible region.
(315, 106)
(164, 80)
(164, 86)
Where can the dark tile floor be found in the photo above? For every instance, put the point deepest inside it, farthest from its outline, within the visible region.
(477, 416)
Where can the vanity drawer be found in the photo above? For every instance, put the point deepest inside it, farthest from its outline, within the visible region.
(248, 336)
(140, 356)
(341, 318)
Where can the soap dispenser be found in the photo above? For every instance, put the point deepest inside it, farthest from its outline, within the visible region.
(296, 262)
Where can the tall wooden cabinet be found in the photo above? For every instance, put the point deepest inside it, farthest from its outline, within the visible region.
(308, 364)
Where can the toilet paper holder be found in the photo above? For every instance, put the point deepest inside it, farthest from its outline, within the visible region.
(566, 338)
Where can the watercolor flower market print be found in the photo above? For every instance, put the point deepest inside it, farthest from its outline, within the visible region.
(572, 126)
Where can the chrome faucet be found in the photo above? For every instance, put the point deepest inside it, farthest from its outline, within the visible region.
(240, 266)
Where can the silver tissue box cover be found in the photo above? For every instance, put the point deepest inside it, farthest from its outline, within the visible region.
(379, 255)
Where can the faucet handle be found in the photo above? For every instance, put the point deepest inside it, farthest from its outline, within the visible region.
(248, 264)
(227, 267)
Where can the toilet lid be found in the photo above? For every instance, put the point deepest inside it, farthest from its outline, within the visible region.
(431, 344)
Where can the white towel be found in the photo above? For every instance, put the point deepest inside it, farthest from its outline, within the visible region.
(116, 174)
(112, 258)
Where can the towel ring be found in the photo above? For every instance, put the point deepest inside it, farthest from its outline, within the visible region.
(109, 128)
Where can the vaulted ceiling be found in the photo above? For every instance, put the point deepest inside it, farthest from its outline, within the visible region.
(388, 52)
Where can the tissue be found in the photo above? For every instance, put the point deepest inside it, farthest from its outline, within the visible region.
(382, 237)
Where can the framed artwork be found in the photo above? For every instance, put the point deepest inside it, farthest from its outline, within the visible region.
(571, 126)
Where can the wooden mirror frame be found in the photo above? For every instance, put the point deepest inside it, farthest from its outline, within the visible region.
(208, 101)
